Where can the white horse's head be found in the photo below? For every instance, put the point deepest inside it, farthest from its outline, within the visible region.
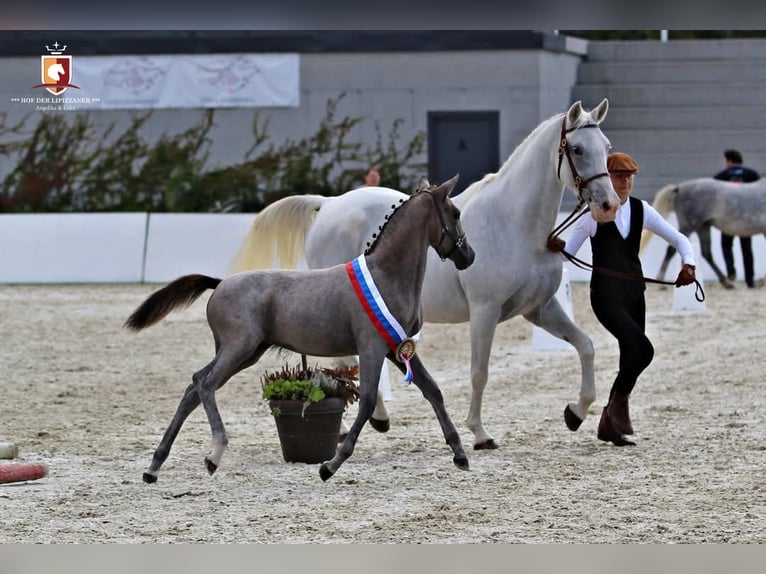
(582, 158)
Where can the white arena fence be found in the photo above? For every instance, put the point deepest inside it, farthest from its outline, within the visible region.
(158, 247)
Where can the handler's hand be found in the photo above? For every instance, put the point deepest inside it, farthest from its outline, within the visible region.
(686, 276)
(556, 244)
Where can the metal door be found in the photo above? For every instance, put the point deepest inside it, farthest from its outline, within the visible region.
(462, 142)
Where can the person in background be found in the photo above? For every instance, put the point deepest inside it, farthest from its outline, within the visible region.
(735, 171)
(372, 177)
(619, 303)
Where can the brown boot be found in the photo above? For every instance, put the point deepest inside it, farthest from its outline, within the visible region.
(607, 433)
(619, 413)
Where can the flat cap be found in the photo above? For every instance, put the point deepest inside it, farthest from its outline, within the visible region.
(621, 162)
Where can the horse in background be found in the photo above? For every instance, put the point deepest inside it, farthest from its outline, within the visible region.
(735, 208)
(508, 215)
(251, 312)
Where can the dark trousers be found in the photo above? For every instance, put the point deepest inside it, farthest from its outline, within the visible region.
(745, 243)
(625, 318)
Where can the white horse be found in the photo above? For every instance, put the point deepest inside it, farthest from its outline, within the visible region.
(508, 215)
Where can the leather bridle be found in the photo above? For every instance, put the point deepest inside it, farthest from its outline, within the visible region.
(579, 182)
(458, 238)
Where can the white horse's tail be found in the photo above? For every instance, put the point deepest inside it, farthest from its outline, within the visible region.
(663, 203)
(277, 237)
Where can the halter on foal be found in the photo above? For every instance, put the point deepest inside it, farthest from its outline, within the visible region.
(251, 312)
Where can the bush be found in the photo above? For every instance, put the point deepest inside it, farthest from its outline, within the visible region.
(66, 166)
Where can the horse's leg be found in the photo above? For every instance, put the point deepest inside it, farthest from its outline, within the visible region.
(189, 402)
(201, 389)
(554, 319)
(427, 385)
(483, 324)
(704, 235)
(669, 252)
(206, 389)
(229, 362)
(369, 369)
(379, 420)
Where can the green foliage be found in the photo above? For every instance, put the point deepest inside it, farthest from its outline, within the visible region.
(66, 165)
(293, 390)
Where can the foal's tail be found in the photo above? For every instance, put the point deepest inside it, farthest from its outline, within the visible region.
(178, 294)
(278, 234)
(663, 203)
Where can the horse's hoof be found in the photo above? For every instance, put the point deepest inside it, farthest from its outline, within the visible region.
(461, 462)
(210, 466)
(380, 425)
(488, 444)
(325, 472)
(150, 478)
(572, 420)
(728, 285)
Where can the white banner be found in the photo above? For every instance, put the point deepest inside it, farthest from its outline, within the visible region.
(186, 81)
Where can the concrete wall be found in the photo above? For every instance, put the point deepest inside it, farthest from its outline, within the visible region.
(525, 86)
(675, 106)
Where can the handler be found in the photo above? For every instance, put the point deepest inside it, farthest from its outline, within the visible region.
(735, 171)
(619, 303)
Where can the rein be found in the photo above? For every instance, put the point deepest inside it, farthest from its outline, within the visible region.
(699, 293)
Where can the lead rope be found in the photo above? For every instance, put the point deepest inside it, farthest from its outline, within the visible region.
(699, 292)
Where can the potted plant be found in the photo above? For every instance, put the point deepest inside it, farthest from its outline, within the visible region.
(307, 405)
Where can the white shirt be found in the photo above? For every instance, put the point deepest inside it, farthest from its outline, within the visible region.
(586, 227)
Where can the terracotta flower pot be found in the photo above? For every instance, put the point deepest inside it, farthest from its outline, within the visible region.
(309, 436)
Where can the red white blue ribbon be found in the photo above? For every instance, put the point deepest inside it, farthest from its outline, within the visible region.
(373, 303)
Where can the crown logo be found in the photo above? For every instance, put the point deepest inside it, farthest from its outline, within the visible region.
(56, 50)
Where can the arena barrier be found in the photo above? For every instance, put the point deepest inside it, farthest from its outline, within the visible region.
(158, 247)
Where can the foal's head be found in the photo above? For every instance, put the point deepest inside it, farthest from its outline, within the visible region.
(450, 242)
(446, 235)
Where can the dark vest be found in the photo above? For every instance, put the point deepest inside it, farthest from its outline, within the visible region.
(611, 251)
